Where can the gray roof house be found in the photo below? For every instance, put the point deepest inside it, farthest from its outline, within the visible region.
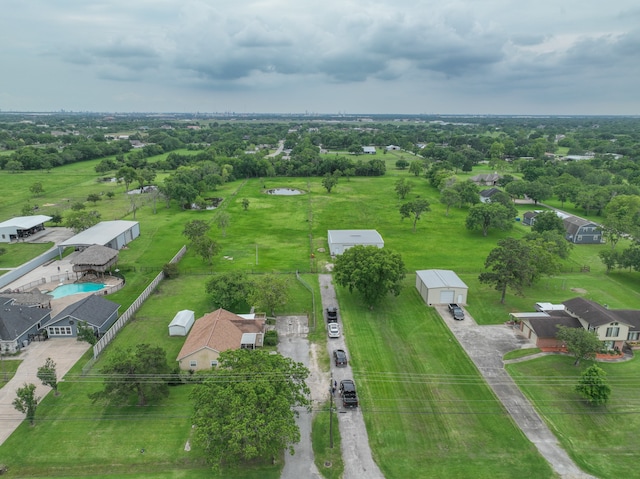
(21, 227)
(18, 323)
(488, 179)
(369, 150)
(485, 195)
(342, 240)
(97, 312)
(581, 231)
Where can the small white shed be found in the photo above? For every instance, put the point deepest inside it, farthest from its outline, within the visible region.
(181, 323)
(441, 286)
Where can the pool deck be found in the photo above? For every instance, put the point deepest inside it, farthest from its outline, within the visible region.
(55, 268)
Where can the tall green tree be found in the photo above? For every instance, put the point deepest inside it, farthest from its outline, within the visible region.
(509, 266)
(195, 229)
(621, 217)
(548, 220)
(245, 409)
(449, 197)
(489, 215)
(593, 386)
(228, 289)
(329, 181)
(128, 175)
(26, 401)
(373, 272)
(142, 372)
(205, 248)
(86, 333)
(468, 191)
(416, 167)
(222, 221)
(36, 188)
(47, 374)
(403, 188)
(414, 209)
(82, 220)
(269, 292)
(581, 343)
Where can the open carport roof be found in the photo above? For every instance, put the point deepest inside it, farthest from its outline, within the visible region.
(25, 222)
(101, 234)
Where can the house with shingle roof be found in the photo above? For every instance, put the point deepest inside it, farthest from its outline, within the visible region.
(18, 323)
(98, 312)
(216, 332)
(612, 326)
(581, 231)
(486, 179)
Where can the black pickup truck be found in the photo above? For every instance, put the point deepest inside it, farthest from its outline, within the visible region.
(348, 393)
(332, 315)
(456, 311)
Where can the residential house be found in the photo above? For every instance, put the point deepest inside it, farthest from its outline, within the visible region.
(486, 179)
(529, 217)
(216, 332)
(19, 324)
(613, 327)
(581, 231)
(485, 195)
(96, 311)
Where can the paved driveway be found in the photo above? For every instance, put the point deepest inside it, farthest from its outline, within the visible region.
(356, 452)
(65, 352)
(486, 346)
(293, 343)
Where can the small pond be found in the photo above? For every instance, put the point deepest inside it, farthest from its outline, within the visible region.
(284, 192)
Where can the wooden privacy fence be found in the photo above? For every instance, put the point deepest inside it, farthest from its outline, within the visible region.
(122, 320)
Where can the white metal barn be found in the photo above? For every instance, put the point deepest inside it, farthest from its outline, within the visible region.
(21, 227)
(342, 240)
(112, 234)
(441, 286)
(181, 323)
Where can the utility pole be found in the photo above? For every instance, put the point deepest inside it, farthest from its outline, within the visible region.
(331, 392)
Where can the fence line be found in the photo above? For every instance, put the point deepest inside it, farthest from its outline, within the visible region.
(313, 298)
(124, 318)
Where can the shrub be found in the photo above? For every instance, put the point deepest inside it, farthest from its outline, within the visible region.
(271, 338)
(170, 270)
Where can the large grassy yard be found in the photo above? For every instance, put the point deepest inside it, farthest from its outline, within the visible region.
(602, 440)
(428, 411)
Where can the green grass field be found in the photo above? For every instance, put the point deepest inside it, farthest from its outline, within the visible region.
(425, 405)
(602, 440)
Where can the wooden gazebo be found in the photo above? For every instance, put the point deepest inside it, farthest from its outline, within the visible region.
(95, 259)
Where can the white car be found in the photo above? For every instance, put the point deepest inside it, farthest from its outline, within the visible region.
(334, 330)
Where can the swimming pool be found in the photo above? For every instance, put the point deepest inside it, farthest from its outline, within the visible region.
(69, 289)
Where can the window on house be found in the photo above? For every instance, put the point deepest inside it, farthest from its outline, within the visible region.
(193, 364)
(633, 335)
(596, 237)
(214, 363)
(612, 332)
(579, 238)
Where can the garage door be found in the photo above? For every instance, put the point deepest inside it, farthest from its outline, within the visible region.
(447, 297)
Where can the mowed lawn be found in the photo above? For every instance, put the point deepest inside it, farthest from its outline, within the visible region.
(602, 440)
(427, 409)
(426, 406)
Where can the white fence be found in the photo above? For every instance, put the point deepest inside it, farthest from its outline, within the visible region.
(122, 320)
(27, 267)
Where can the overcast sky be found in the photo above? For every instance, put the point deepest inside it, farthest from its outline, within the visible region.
(329, 56)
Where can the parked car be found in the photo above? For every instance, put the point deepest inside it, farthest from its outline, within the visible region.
(348, 393)
(332, 315)
(333, 330)
(340, 357)
(456, 311)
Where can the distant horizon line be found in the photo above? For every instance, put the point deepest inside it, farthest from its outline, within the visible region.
(312, 115)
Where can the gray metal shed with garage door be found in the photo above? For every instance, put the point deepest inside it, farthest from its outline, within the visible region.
(441, 286)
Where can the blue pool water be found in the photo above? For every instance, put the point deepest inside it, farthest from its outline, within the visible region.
(68, 289)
